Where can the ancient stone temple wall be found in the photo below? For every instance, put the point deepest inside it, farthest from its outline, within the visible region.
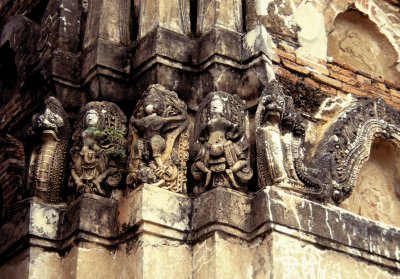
(199, 139)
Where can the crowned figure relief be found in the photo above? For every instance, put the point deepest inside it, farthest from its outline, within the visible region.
(221, 146)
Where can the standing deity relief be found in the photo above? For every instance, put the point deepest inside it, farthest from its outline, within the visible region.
(159, 141)
(98, 152)
(276, 126)
(221, 143)
(324, 163)
(321, 166)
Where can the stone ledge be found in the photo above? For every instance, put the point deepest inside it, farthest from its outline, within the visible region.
(165, 43)
(154, 211)
(114, 57)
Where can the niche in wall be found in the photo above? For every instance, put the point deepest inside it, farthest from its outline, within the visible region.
(376, 194)
(356, 41)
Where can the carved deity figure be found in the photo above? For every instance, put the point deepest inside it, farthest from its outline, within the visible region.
(48, 160)
(159, 141)
(268, 135)
(278, 128)
(220, 130)
(98, 152)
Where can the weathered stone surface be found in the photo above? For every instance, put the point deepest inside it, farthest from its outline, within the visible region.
(90, 213)
(220, 234)
(275, 15)
(17, 267)
(221, 256)
(172, 15)
(159, 143)
(223, 209)
(222, 13)
(81, 51)
(356, 39)
(48, 161)
(220, 145)
(152, 205)
(290, 256)
(12, 168)
(99, 150)
(377, 182)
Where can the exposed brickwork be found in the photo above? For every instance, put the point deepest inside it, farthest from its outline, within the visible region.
(12, 161)
(328, 89)
(327, 80)
(285, 54)
(285, 74)
(343, 78)
(395, 95)
(353, 90)
(313, 65)
(338, 70)
(293, 66)
(334, 77)
(311, 82)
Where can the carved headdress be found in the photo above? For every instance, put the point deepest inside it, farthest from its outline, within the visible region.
(159, 140)
(98, 153)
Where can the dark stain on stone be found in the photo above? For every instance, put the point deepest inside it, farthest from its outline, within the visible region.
(306, 99)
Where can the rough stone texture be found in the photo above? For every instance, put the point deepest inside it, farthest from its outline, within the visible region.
(12, 169)
(221, 13)
(356, 39)
(81, 51)
(17, 267)
(277, 16)
(377, 182)
(172, 15)
(320, 263)
(234, 236)
(312, 35)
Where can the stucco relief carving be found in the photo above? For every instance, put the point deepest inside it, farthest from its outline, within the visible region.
(221, 145)
(326, 167)
(159, 141)
(346, 144)
(277, 128)
(47, 164)
(98, 152)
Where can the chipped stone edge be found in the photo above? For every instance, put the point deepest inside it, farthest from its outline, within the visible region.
(267, 211)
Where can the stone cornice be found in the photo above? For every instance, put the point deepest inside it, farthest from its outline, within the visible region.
(157, 212)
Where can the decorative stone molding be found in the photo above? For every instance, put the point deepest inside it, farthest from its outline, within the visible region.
(346, 144)
(48, 161)
(150, 222)
(221, 145)
(325, 169)
(159, 141)
(98, 152)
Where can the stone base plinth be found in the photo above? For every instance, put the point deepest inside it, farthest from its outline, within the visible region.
(153, 233)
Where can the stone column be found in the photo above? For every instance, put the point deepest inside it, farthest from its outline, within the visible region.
(107, 20)
(169, 14)
(105, 48)
(219, 13)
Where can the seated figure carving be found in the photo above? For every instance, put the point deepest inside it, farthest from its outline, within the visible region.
(98, 154)
(222, 160)
(159, 143)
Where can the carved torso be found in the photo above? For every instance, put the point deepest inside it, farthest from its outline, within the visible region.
(222, 160)
(98, 154)
(159, 143)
